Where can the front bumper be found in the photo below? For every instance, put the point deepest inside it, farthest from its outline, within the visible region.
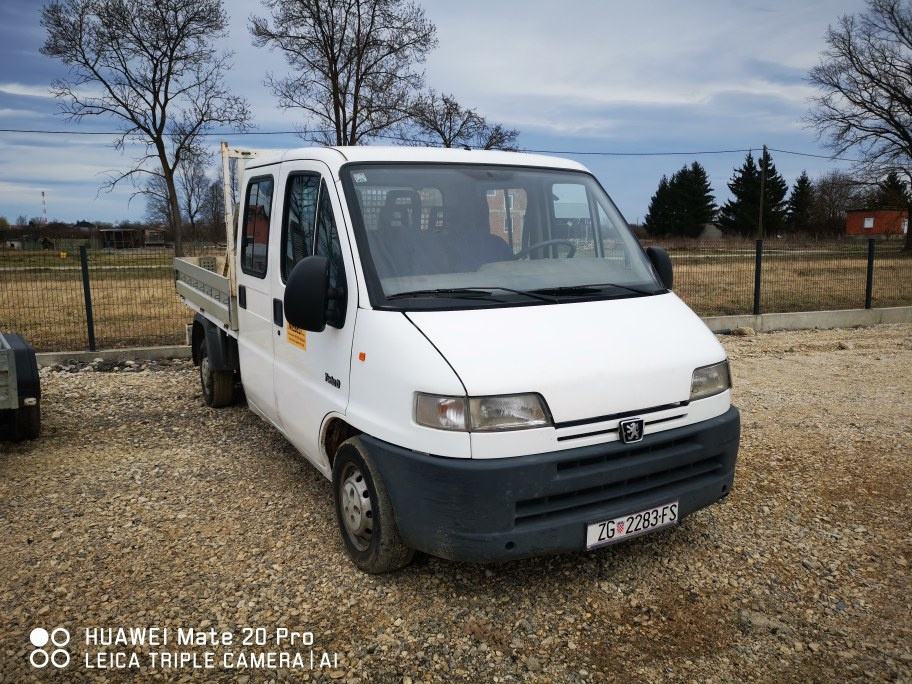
(498, 509)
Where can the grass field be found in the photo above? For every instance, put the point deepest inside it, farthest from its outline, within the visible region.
(135, 303)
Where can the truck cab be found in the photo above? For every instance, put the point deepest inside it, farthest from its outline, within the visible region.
(471, 345)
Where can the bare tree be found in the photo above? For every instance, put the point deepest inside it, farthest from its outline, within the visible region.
(213, 211)
(439, 119)
(865, 82)
(497, 137)
(832, 196)
(353, 62)
(158, 204)
(192, 184)
(151, 66)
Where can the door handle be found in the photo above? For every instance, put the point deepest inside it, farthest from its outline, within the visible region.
(242, 296)
(278, 313)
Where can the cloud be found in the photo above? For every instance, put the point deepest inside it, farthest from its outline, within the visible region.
(10, 112)
(24, 90)
(663, 75)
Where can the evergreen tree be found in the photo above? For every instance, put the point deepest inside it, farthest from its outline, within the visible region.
(774, 197)
(892, 193)
(798, 209)
(658, 216)
(740, 215)
(682, 205)
(694, 202)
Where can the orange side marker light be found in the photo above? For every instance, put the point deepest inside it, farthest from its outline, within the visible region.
(362, 356)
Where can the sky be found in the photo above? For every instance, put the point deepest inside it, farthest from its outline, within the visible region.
(575, 77)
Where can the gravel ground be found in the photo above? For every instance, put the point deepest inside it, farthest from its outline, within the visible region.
(139, 506)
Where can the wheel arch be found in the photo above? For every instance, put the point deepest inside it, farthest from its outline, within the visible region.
(336, 429)
(222, 348)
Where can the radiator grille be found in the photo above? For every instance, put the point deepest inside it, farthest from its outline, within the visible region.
(683, 462)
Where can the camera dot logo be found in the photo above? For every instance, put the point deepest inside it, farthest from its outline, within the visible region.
(58, 638)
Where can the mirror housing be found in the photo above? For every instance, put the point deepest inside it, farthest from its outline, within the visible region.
(307, 294)
(661, 262)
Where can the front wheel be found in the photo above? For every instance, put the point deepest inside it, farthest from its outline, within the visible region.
(364, 512)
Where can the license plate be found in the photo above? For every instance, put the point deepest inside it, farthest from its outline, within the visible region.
(631, 525)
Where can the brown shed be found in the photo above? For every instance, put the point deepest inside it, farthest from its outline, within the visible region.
(870, 222)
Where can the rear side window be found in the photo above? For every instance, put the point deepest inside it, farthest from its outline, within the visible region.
(300, 217)
(328, 245)
(255, 238)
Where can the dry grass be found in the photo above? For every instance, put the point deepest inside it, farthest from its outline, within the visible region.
(131, 308)
(724, 284)
(135, 302)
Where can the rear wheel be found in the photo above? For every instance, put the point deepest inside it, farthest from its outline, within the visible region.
(217, 385)
(364, 512)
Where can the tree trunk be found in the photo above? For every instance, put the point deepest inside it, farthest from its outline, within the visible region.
(908, 246)
(174, 216)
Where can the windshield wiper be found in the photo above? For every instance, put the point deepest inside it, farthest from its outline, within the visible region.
(453, 292)
(590, 289)
(485, 292)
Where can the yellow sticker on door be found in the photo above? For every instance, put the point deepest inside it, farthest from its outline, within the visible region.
(297, 337)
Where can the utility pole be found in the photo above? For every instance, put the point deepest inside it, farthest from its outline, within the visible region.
(763, 164)
(758, 250)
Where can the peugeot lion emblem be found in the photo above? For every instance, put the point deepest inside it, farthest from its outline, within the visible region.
(631, 430)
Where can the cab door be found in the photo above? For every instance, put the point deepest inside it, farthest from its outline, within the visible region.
(312, 368)
(255, 315)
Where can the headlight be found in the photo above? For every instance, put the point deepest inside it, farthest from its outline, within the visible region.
(481, 414)
(710, 380)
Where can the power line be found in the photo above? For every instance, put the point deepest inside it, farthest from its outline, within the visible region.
(815, 156)
(600, 153)
(204, 133)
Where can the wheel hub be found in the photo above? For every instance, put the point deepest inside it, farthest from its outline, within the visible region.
(357, 510)
(204, 374)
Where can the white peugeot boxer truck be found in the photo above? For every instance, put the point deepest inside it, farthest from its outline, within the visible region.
(471, 345)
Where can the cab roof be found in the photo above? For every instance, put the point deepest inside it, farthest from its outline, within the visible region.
(335, 157)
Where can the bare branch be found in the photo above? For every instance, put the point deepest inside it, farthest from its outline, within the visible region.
(353, 61)
(152, 68)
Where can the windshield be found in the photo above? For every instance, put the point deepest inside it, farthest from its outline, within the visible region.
(490, 235)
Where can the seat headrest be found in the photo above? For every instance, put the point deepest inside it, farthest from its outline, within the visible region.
(401, 211)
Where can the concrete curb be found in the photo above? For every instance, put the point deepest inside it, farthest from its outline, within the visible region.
(175, 351)
(804, 320)
(801, 320)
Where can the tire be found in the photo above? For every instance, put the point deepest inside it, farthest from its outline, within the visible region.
(29, 420)
(369, 532)
(217, 385)
(24, 423)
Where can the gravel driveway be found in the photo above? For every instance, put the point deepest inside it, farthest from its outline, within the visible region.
(140, 506)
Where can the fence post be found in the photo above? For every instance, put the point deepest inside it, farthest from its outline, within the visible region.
(758, 263)
(87, 296)
(869, 283)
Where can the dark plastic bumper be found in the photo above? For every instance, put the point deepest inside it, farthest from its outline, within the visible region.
(498, 509)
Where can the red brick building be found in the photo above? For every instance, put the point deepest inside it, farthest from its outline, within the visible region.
(871, 222)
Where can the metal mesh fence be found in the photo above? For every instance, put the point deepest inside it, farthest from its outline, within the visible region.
(715, 278)
(134, 301)
(892, 276)
(813, 278)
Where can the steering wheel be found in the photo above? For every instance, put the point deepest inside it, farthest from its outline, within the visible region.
(545, 243)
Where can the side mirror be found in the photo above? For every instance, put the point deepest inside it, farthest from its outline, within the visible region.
(307, 294)
(661, 262)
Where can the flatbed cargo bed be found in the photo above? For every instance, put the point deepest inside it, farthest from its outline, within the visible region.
(202, 287)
